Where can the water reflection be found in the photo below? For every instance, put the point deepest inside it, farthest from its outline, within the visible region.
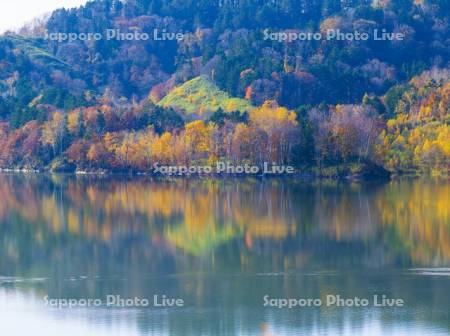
(222, 245)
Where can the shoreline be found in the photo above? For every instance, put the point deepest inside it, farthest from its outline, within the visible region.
(307, 175)
(366, 171)
(302, 176)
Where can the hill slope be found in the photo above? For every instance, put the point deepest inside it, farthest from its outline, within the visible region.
(202, 97)
(237, 43)
(35, 50)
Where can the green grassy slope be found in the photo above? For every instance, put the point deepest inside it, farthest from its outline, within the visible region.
(200, 96)
(35, 51)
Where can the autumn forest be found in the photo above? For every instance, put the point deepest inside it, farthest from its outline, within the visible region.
(328, 108)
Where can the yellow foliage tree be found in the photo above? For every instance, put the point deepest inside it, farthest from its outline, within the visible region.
(197, 139)
(279, 124)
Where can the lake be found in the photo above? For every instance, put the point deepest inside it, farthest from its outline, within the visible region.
(231, 250)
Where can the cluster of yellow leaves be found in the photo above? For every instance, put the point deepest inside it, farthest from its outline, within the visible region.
(419, 140)
(424, 148)
(53, 129)
(271, 116)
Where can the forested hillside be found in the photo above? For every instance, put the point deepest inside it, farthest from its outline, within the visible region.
(230, 87)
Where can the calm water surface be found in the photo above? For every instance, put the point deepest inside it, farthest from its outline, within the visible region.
(222, 246)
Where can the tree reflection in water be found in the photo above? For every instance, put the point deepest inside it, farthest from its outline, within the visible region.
(227, 243)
